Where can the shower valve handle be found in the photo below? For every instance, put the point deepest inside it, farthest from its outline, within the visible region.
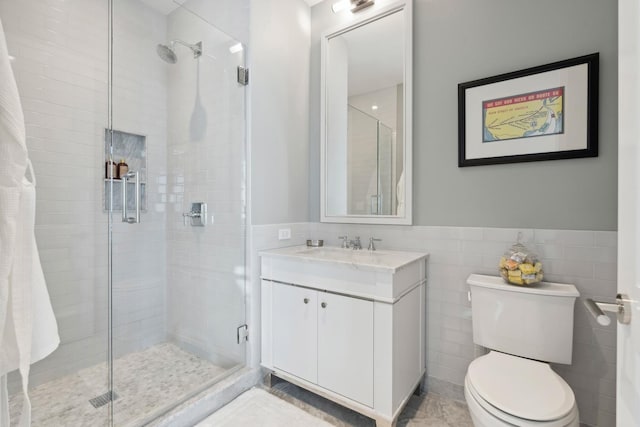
(190, 215)
(197, 215)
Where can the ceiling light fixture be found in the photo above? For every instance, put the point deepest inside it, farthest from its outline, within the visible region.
(374, 107)
(340, 6)
(353, 5)
(357, 5)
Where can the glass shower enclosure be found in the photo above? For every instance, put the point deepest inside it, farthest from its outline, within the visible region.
(136, 129)
(372, 165)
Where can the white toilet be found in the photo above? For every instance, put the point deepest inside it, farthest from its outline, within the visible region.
(524, 327)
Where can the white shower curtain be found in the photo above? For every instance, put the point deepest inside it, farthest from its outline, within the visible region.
(28, 329)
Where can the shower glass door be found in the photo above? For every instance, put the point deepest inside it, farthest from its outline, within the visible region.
(59, 59)
(147, 309)
(177, 207)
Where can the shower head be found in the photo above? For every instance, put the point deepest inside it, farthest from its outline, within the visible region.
(168, 54)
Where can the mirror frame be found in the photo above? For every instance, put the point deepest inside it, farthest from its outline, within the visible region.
(359, 20)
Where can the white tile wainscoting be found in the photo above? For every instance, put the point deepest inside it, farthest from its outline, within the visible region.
(586, 259)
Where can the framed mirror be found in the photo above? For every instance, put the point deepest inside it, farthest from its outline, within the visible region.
(366, 118)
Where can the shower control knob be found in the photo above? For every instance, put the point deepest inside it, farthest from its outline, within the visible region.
(306, 300)
(197, 216)
(323, 305)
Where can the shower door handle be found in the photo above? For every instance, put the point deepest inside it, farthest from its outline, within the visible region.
(125, 214)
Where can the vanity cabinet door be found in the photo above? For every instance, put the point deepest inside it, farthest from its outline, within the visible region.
(345, 346)
(295, 332)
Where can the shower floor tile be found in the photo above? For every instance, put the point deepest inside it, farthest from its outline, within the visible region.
(145, 383)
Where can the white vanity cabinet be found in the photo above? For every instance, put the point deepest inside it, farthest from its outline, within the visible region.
(324, 338)
(295, 331)
(347, 325)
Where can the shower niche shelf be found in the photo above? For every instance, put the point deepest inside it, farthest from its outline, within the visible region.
(133, 149)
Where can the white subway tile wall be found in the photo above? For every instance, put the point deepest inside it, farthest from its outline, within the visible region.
(586, 259)
(140, 107)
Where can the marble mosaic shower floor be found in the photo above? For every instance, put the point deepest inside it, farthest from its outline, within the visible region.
(146, 382)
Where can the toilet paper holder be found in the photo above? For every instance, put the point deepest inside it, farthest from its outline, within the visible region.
(622, 307)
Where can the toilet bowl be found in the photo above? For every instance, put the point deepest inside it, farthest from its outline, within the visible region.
(506, 390)
(524, 328)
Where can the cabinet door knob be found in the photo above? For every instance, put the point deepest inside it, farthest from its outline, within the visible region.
(306, 300)
(323, 305)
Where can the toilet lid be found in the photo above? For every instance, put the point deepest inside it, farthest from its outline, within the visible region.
(520, 387)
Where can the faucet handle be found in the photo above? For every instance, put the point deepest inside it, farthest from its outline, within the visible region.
(372, 246)
(345, 241)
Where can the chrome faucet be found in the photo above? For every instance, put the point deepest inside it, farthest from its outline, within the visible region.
(345, 242)
(355, 243)
(372, 246)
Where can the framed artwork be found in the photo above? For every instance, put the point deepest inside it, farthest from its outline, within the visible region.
(547, 112)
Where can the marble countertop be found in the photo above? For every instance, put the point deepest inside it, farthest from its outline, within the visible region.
(380, 260)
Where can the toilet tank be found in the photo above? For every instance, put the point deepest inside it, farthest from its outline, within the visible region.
(534, 322)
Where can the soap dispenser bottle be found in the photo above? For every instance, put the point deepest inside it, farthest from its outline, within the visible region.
(110, 169)
(122, 169)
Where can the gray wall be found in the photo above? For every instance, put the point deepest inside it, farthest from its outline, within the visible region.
(463, 40)
(279, 111)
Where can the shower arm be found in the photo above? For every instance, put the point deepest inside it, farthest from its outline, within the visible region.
(195, 48)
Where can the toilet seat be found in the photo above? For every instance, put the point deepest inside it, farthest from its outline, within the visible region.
(484, 414)
(516, 390)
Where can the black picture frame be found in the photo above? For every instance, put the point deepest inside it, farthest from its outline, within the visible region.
(569, 107)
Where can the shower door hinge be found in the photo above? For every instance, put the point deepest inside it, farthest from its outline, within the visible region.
(243, 334)
(243, 76)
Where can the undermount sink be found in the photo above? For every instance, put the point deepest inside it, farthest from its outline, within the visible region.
(322, 251)
(363, 258)
(336, 254)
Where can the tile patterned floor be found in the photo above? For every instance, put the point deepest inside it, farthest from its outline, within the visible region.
(146, 382)
(436, 411)
(288, 405)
